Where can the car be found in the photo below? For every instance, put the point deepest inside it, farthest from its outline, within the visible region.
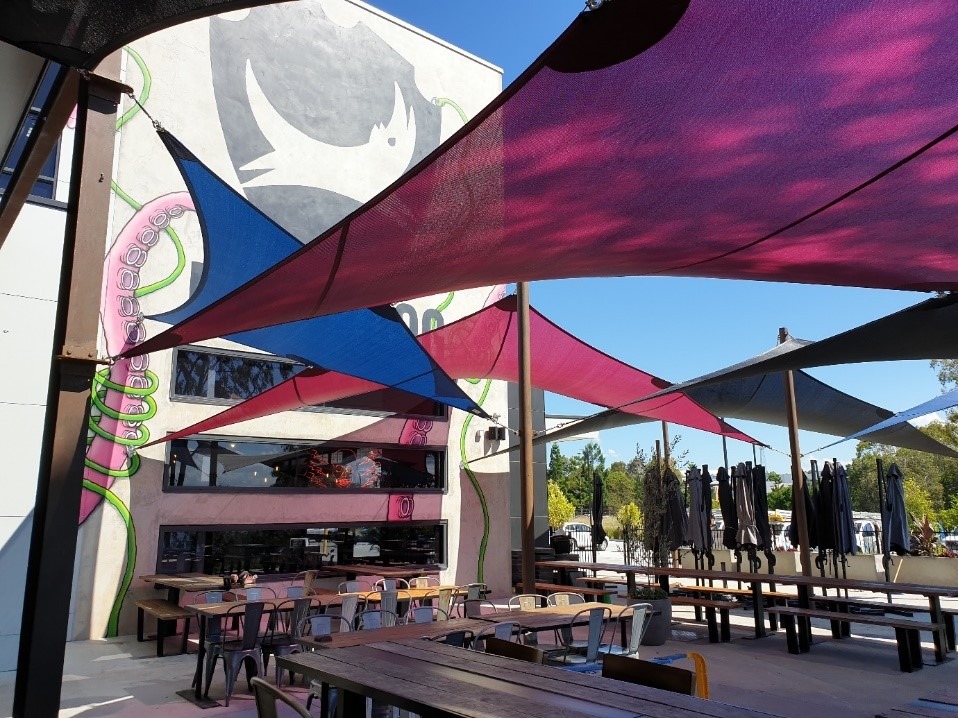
(581, 535)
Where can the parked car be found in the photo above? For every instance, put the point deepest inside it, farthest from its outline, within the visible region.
(581, 535)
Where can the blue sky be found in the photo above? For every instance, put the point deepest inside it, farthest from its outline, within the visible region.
(677, 328)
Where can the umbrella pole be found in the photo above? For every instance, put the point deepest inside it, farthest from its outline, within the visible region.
(797, 478)
(882, 512)
(527, 496)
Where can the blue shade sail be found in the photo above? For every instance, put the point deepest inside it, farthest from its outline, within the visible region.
(240, 242)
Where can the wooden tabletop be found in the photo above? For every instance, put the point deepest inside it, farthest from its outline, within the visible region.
(384, 571)
(439, 680)
(211, 610)
(593, 566)
(407, 631)
(185, 582)
(933, 704)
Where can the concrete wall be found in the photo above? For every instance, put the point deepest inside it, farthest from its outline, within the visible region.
(307, 129)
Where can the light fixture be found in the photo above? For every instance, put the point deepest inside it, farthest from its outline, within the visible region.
(496, 433)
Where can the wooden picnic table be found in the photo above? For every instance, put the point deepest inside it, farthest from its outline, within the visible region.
(565, 566)
(192, 582)
(430, 678)
(930, 705)
(407, 631)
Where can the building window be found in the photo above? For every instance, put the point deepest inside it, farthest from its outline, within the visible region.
(229, 378)
(233, 464)
(45, 186)
(290, 549)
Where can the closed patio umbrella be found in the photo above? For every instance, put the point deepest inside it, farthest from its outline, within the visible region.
(598, 499)
(894, 520)
(675, 522)
(727, 506)
(745, 508)
(845, 534)
(698, 520)
(810, 517)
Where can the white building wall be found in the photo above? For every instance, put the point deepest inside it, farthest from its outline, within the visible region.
(29, 277)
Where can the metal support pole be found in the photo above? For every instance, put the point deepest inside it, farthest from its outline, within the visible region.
(798, 482)
(46, 605)
(724, 450)
(665, 444)
(525, 442)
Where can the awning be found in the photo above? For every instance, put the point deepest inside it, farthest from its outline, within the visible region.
(821, 408)
(802, 141)
(485, 345)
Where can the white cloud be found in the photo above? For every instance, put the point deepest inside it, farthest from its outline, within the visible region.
(927, 419)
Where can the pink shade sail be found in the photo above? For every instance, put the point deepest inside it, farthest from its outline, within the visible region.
(485, 345)
(785, 141)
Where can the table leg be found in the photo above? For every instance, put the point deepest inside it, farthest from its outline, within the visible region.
(758, 609)
(350, 704)
(941, 640)
(805, 624)
(173, 595)
(630, 582)
(200, 656)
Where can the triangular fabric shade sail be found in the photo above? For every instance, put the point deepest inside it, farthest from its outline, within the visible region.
(821, 408)
(939, 403)
(83, 34)
(802, 141)
(485, 345)
(923, 331)
(240, 241)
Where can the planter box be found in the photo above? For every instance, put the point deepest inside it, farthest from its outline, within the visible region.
(929, 570)
(660, 625)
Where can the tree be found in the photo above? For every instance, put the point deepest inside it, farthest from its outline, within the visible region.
(619, 489)
(780, 498)
(630, 522)
(558, 464)
(917, 500)
(560, 508)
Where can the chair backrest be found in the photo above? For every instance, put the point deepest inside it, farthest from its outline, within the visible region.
(427, 614)
(295, 591)
(640, 615)
(598, 621)
(209, 597)
(258, 593)
(646, 673)
(441, 597)
(324, 624)
(391, 584)
(349, 605)
(459, 639)
(526, 602)
(354, 587)
(476, 591)
(250, 615)
(505, 630)
(423, 582)
(267, 697)
(376, 618)
(564, 598)
(499, 647)
(475, 607)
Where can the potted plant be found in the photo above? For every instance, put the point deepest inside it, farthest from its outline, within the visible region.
(659, 628)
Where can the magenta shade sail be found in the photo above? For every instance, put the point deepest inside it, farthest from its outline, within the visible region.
(792, 141)
(485, 345)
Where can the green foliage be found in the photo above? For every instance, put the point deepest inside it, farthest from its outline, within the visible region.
(780, 498)
(775, 478)
(649, 592)
(630, 527)
(560, 508)
(620, 489)
(573, 474)
(917, 498)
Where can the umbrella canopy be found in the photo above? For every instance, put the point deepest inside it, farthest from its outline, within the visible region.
(745, 507)
(598, 501)
(810, 517)
(760, 499)
(675, 522)
(700, 535)
(727, 505)
(894, 520)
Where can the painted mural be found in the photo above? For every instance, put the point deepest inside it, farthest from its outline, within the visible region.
(306, 146)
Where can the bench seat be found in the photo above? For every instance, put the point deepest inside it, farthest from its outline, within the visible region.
(906, 631)
(165, 612)
(716, 632)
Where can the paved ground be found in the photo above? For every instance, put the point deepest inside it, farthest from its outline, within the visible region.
(849, 678)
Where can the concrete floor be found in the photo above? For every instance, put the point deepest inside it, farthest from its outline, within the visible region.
(849, 678)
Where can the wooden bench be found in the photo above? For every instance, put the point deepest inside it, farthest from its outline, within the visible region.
(840, 603)
(769, 597)
(599, 594)
(602, 580)
(710, 606)
(165, 612)
(907, 631)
